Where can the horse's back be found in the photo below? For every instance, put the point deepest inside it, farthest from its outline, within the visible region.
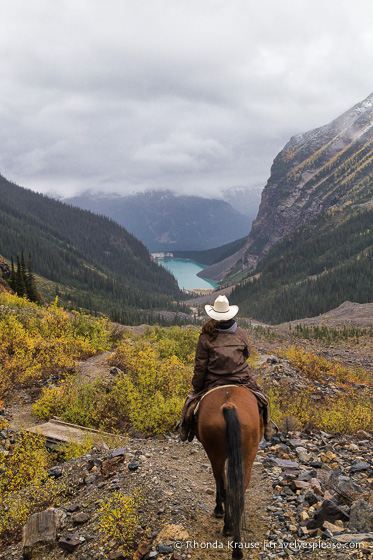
(210, 412)
(211, 425)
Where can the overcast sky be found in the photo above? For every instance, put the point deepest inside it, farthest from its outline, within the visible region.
(192, 95)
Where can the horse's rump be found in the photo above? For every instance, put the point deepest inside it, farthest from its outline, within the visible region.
(211, 424)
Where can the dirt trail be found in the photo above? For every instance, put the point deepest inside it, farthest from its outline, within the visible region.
(178, 486)
(95, 367)
(21, 417)
(20, 414)
(206, 530)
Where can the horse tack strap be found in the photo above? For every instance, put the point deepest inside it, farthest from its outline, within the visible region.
(214, 389)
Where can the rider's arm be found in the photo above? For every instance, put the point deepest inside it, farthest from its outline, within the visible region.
(200, 366)
(243, 336)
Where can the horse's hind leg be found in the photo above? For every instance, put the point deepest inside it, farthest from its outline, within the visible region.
(220, 497)
(227, 529)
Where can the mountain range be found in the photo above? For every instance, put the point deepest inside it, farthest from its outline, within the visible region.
(164, 221)
(310, 247)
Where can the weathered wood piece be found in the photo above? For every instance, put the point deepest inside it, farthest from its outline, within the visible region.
(56, 432)
(40, 532)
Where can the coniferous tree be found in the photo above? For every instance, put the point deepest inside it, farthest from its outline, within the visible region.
(23, 266)
(20, 285)
(31, 289)
(11, 280)
(22, 281)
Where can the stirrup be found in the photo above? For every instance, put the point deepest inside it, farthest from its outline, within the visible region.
(191, 434)
(184, 433)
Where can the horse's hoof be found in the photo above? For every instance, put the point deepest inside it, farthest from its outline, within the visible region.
(219, 514)
(227, 531)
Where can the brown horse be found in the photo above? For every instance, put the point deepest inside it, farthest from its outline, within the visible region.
(230, 427)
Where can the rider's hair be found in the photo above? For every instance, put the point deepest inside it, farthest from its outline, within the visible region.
(209, 328)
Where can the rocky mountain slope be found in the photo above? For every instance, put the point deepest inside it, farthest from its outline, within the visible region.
(328, 167)
(324, 170)
(4, 268)
(164, 221)
(4, 274)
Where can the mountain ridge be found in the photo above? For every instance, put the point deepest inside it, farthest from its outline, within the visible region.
(321, 170)
(166, 221)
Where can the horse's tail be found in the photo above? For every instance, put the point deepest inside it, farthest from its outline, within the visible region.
(235, 498)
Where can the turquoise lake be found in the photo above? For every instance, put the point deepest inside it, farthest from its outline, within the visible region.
(185, 272)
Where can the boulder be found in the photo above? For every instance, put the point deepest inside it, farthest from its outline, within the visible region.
(110, 466)
(332, 528)
(142, 550)
(284, 464)
(315, 485)
(298, 485)
(69, 543)
(40, 532)
(361, 517)
(80, 518)
(328, 511)
(342, 484)
(353, 538)
(359, 467)
(361, 434)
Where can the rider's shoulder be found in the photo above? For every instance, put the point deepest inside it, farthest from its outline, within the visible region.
(241, 332)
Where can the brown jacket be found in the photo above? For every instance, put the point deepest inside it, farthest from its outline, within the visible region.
(223, 361)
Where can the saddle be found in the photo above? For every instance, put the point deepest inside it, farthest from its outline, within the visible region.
(191, 416)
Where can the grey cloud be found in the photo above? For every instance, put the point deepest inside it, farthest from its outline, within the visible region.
(189, 95)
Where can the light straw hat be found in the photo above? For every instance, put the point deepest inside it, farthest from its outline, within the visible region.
(221, 310)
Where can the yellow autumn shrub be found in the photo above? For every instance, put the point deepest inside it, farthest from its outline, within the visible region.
(149, 395)
(174, 341)
(119, 518)
(17, 507)
(87, 404)
(72, 449)
(153, 388)
(28, 462)
(24, 484)
(36, 341)
(315, 367)
(345, 413)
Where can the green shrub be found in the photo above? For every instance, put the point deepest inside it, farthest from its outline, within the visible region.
(175, 341)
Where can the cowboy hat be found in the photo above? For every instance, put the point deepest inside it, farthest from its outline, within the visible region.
(221, 310)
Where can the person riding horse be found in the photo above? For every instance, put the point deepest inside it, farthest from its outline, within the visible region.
(221, 359)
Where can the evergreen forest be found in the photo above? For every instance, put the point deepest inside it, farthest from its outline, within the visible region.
(315, 269)
(94, 263)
